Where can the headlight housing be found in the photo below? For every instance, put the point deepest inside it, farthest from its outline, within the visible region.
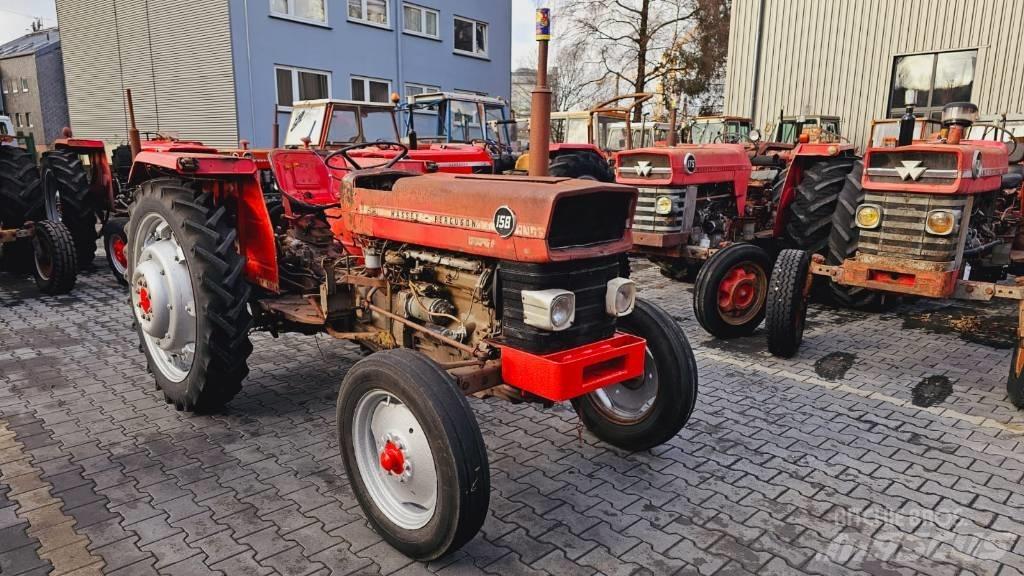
(941, 222)
(663, 205)
(869, 216)
(551, 309)
(620, 297)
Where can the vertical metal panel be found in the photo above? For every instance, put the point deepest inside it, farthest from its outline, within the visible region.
(175, 55)
(836, 56)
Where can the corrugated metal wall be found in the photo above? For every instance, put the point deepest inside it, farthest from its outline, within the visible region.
(179, 69)
(836, 56)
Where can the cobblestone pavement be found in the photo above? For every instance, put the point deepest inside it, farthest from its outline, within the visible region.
(886, 447)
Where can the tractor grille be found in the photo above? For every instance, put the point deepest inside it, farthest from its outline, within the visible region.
(646, 220)
(587, 279)
(645, 166)
(934, 169)
(902, 234)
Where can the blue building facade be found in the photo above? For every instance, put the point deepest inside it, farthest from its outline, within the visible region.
(287, 50)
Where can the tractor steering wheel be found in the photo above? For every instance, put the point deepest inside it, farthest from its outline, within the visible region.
(343, 152)
(490, 145)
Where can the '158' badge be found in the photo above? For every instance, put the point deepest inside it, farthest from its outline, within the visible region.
(505, 222)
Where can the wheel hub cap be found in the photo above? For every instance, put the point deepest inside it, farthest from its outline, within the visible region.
(738, 291)
(392, 460)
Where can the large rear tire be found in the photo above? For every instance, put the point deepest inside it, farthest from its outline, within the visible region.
(21, 200)
(56, 267)
(581, 164)
(786, 312)
(413, 452)
(646, 412)
(70, 199)
(842, 244)
(731, 289)
(809, 215)
(189, 295)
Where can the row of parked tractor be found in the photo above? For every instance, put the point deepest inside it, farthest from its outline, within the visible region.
(415, 232)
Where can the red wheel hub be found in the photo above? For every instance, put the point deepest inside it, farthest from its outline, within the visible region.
(738, 290)
(392, 459)
(118, 245)
(144, 302)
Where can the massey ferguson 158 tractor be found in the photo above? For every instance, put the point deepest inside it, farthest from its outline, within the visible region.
(923, 219)
(27, 240)
(456, 284)
(701, 209)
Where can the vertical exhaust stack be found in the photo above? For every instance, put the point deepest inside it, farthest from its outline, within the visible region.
(673, 121)
(540, 105)
(134, 142)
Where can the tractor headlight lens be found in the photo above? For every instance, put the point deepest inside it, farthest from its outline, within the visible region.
(549, 309)
(620, 297)
(940, 222)
(869, 216)
(663, 205)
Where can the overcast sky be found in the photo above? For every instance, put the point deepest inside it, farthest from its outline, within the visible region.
(16, 17)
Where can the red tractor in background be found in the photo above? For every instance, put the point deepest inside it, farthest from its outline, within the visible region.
(920, 218)
(701, 214)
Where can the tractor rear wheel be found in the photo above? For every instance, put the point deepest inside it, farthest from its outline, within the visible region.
(1015, 381)
(648, 411)
(115, 240)
(413, 452)
(730, 292)
(69, 199)
(581, 164)
(188, 293)
(809, 215)
(56, 267)
(786, 312)
(842, 244)
(21, 200)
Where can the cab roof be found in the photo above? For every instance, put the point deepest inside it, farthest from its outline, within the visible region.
(311, 103)
(456, 96)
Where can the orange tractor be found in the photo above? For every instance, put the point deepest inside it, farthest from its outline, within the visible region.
(932, 218)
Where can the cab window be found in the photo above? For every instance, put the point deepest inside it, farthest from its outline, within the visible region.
(344, 127)
(466, 125)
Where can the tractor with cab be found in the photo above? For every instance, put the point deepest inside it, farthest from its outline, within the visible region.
(931, 218)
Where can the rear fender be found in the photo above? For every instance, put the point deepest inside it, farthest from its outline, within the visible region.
(801, 157)
(101, 181)
(235, 181)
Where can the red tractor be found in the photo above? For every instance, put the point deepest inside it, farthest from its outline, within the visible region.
(455, 284)
(920, 218)
(711, 213)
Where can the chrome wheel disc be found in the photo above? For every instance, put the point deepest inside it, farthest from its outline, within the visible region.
(116, 247)
(162, 298)
(394, 459)
(630, 401)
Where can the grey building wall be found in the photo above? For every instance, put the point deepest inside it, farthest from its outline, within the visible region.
(53, 98)
(19, 103)
(836, 56)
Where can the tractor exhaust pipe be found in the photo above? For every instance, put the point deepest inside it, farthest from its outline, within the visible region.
(673, 120)
(540, 105)
(275, 131)
(134, 142)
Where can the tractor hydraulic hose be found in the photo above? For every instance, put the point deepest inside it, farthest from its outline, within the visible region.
(978, 250)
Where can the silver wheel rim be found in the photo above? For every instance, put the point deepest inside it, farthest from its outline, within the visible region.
(118, 267)
(381, 422)
(162, 298)
(630, 401)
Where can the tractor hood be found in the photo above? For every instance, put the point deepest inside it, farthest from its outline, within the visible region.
(506, 217)
(683, 165)
(934, 168)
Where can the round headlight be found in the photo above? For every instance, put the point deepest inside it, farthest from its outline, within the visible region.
(940, 222)
(562, 308)
(868, 216)
(663, 205)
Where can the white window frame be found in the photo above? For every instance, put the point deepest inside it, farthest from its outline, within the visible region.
(6, 85)
(28, 119)
(367, 22)
(366, 87)
(427, 88)
(290, 14)
(295, 83)
(423, 18)
(17, 120)
(24, 84)
(487, 43)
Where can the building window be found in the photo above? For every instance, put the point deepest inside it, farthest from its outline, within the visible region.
(6, 86)
(371, 90)
(372, 12)
(314, 11)
(470, 37)
(420, 21)
(28, 119)
(24, 84)
(294, 84)
(412, 89)
(17, 119)
(930, 81)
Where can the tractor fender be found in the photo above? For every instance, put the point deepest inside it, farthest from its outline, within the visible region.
(800, 157)
(101, 181)
(256, 241)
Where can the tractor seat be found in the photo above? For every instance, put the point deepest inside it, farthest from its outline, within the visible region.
(1013, 177)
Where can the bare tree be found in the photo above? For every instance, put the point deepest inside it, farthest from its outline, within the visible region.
(628, 38)
(576, 84)
(697, 60)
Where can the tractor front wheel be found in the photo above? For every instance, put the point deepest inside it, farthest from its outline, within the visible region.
(648, 411)
(56, 267)
(729, 294)
(115, 240)
(413, 452)
(189, 295)
(787, 302)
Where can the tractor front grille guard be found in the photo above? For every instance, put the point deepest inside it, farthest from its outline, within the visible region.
(901, 230)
